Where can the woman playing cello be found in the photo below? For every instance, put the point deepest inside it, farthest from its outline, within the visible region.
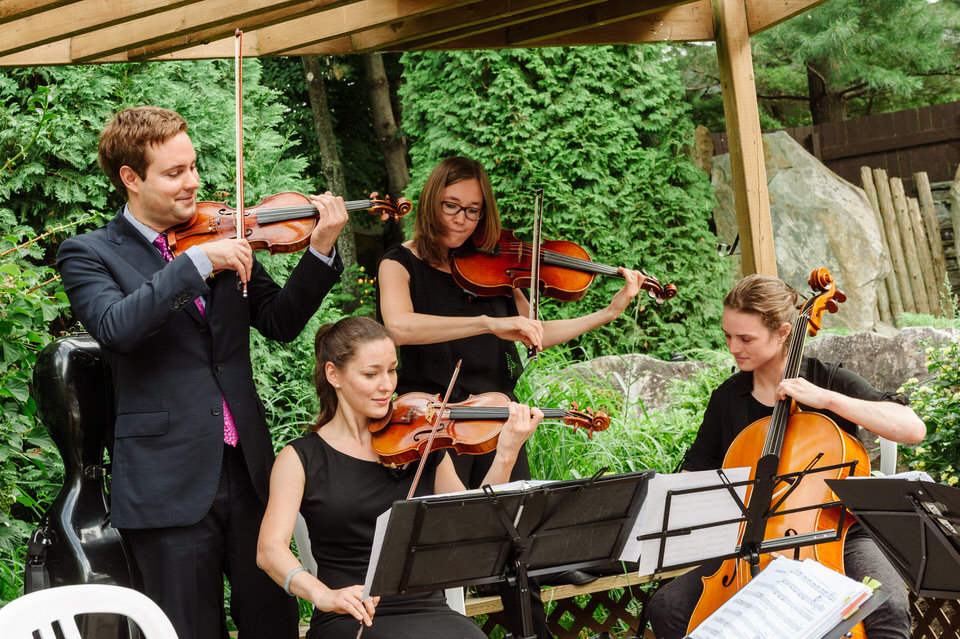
(757, 318)
(333, 477)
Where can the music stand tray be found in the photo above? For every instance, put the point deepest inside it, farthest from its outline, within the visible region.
(915, 524)
(483, 537)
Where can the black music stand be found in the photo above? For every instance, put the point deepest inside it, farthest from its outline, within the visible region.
(483, 537)
(917, 526)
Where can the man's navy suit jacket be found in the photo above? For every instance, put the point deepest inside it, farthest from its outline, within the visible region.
(171, 367)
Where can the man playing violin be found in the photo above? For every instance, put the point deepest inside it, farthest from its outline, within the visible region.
(192, 454)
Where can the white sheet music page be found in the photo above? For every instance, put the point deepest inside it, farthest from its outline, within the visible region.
(694, 509)
(796, 599)
(378, 534)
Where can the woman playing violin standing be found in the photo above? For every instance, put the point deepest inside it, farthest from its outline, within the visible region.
(757, 325)
(436, 323)
(333, 477)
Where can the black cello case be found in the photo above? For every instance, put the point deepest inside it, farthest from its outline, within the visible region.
(75, 543)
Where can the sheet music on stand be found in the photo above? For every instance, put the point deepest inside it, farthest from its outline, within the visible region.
(795, 599)
(477, 537)
(687, 518)
(915, 523)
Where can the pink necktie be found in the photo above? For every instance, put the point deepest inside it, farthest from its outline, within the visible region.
(230, 435)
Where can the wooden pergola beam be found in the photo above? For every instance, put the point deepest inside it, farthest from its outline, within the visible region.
(763, 15)
(742, 117)
(469, 20)
(16, 9)
(228, 15)
(65, 20)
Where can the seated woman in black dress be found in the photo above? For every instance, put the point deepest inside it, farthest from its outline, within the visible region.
(333, 478)
(757, 318)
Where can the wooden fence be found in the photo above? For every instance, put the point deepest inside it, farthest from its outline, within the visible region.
(910, 233)
(901, 143)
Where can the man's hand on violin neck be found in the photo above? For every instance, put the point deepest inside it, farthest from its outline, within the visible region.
(230, 255)
(331, 219)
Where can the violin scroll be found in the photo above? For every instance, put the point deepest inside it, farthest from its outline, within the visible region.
(655, 290)
(395, 210)
(586, 419)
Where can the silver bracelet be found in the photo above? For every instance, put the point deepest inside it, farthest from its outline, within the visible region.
(289, 578)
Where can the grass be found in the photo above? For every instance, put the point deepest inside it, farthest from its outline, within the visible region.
(637, 439)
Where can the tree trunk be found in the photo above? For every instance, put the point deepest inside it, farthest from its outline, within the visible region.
(825, 106)
(330, 161)
(393, 145)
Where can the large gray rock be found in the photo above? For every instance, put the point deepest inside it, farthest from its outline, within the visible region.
(885, 362)
(638, 377)
(819, 219)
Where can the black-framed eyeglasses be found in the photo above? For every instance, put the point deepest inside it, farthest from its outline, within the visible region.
(472, 213)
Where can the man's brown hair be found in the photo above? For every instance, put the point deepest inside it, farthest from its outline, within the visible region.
(126, 137)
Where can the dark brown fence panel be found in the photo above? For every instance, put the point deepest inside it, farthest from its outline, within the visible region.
(902, 143)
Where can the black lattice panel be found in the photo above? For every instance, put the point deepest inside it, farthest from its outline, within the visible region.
(935, 618)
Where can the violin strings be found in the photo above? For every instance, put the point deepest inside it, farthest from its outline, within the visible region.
(559, 259)
(283, 213)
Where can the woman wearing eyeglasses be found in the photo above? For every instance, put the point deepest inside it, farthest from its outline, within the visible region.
(435, 323)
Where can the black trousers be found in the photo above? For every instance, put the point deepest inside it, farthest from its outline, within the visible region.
(183, 567)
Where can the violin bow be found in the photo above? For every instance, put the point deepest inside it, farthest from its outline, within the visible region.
(426, 451)
(436, 427)
(238, 74)
(534, 313)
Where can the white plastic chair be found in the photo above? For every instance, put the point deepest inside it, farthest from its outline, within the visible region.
(38, 611)
(454, 595)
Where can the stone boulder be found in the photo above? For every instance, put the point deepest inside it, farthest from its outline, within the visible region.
(819, 219)
(885, 362)
(638, 377)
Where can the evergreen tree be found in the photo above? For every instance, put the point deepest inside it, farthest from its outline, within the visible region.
(843, 59)
(603, 131)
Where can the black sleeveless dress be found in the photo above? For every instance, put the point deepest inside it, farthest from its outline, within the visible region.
(342, 498)
(489, 363)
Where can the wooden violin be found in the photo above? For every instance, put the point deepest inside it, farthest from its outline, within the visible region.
(281, 223)
(790, 454)
(566, 270)
(471, 426)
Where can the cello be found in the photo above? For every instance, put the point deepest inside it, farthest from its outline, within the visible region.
(790, 454)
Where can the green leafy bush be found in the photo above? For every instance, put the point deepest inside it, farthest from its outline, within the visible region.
(604, 131)
(937, 402)
(637, 439)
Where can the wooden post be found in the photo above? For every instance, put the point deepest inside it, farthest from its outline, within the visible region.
(929, 214)
(744, 137)
(955, 211)
(888, 297)
(889, 216)
(910, 252)
(928, 270)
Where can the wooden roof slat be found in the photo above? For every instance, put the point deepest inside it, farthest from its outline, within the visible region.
(583, 19)
(142, 32)
(763, 15)
(468, 20)
(339, 22)
(16, 9)
(66, 20)
(691, 22)
(248, 25)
